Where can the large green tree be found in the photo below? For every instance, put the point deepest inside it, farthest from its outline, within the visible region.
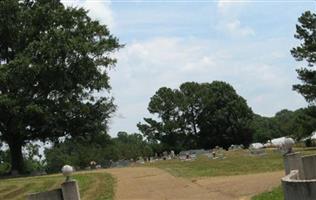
(52, 60)
(198, 116)
(225, 118)
(170, 130)
(306, 51)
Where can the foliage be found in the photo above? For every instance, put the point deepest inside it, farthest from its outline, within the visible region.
(306, 51)
(79, 152)
(33, 161)
(131, 146)
(265, 129)
(52, 60)
(198, 116)
(298, 124)
(4, 161)
(308, 142)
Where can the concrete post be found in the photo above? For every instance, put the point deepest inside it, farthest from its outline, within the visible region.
(70, 190)
(293, 161)
(296, 189)
(309, 163)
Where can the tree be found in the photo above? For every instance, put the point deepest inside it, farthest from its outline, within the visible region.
(191, 105)
(52, 61)
(297, 124)
(174, 126)
(170, 130)
(265, 128)
(198, 116)
(304, 122)
(225, 118)
(306, 51)
(78, 152)
(131, 146)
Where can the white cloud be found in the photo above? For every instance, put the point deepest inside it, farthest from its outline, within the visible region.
(234, 27)
(229, 22)
(145, 66)
(99, 10)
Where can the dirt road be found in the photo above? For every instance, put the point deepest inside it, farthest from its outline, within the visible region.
(140, 183)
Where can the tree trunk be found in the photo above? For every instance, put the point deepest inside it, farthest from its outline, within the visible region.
(17, 163)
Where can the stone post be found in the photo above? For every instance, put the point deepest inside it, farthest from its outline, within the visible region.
(309, 163)
(70, 190)
(293, 161)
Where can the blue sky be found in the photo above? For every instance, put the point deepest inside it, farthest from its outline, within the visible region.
(245, 43)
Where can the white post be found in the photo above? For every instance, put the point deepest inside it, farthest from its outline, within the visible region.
(70, 189)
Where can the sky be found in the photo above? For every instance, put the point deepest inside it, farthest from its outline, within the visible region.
(245, 43)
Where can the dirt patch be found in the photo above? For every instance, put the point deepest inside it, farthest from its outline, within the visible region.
(155, 184)
(243, 186)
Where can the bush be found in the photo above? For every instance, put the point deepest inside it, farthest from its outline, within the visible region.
(4, 168)
(33, 166)
(308, 142)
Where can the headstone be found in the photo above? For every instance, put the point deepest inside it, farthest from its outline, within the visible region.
(140, 160)
(172, 154)
(93, 164)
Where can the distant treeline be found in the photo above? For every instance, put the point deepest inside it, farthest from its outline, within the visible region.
(205, 115)
(298, 124)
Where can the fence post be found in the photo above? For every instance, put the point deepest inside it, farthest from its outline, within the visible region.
(70, 190)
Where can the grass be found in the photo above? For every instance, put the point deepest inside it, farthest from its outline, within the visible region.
(275, 194)
(96, 185)
(236, 163)
(99, 185)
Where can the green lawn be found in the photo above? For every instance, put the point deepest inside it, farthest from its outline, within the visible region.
(101, 189)
(235, 163)
(275, 194)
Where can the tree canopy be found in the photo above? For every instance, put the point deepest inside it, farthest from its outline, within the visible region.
(198, 116)
(306, 51)
(298, 124)
(52, 61)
